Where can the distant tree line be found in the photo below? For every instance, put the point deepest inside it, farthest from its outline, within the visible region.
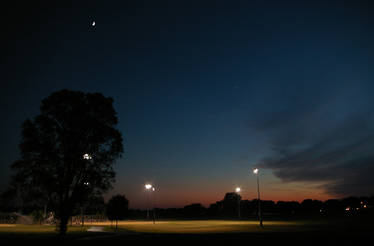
(117, 208)
(228, 207)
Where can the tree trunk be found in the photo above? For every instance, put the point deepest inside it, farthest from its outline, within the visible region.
(64, 218)
(63, 224)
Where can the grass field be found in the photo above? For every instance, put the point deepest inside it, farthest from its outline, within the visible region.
(180, 227)
(168, 227)
(36, 229)
(208, 226)
(193, 231)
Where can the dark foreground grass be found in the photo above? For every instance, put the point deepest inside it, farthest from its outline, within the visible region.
(348, 231)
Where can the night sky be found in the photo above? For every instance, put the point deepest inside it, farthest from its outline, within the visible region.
(205, 91)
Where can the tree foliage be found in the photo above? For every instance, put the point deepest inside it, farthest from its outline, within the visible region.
(70, 125)
(230, 203)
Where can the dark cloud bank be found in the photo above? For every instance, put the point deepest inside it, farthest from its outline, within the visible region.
(317, 146)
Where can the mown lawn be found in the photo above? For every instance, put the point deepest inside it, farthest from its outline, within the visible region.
(175, 226)
(194, 227)
(37, 229)
(171, 232)
(209, 226)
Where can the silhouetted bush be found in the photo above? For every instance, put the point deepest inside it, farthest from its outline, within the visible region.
(117, 208)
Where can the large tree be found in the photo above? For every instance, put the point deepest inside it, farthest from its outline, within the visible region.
(68, 150)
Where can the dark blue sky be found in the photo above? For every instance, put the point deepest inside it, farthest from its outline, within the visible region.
(205, 91)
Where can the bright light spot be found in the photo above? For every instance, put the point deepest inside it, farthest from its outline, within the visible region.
(148, 186)
(86, 183)
(93, 23)
(87, 157)
(153, 189)
(255, 171)
(347, 209)
(237, 190)
(365, 206)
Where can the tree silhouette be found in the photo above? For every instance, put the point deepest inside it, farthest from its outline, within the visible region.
(68, 150)
(195, 210)
(230, 204)
(117, 208)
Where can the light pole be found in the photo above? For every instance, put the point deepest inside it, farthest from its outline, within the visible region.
(255, 171)
(87, 157)
(83, 205)
(237, 190)
(45, 210)
(148, 188)
(153, 201)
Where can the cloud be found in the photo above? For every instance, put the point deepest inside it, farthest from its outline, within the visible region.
(314, 146)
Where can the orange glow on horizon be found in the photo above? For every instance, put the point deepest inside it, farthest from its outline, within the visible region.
(177, 199)
(180, 193)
